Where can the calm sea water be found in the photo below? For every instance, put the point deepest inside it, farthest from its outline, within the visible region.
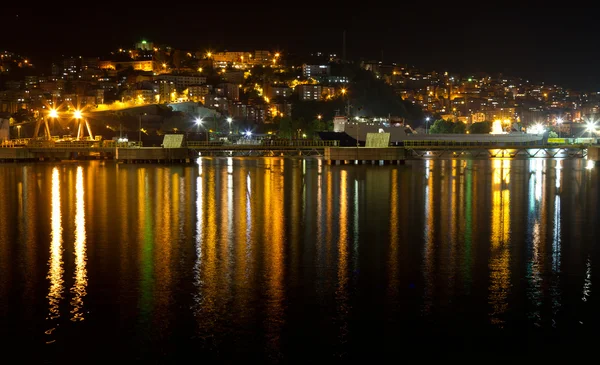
(291, 260)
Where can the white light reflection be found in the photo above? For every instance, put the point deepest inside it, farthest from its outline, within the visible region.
(229, 165)
(587, 284)
(558, 174)
(538, 179)
(590, 164)
(248, 210)
(556, 250)
(199, 231)
(199, 161)
(80, 285)
(56, 270)
(230, 201)
(536, 263)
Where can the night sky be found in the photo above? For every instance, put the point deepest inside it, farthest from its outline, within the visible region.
(537, 41)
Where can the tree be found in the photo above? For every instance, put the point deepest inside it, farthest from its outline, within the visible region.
(442, 126)
(286, 129)
(484, 127)
(319, 125)
(459, 128)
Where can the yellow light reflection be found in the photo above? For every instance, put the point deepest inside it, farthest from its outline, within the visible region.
(394, 237)
(274, 239)
(80, 285)
(320, 224)
(241, 234)
(341, 292)
(225, 239)
(207, 265)
(166, 218)
(499, 264)
(429, 249)
(56, 263)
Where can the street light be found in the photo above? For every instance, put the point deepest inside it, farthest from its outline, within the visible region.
(199, 121)
(591, 127)
(229, 120)
(427, 125)
(559, 122)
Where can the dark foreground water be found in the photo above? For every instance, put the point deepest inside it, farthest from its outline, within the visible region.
(288, 260)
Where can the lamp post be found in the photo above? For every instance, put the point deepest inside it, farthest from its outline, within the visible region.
(357, 129)
(229, 120)
(18, 131)
(559, 122)
(140, 131)
(427, 125)
(591, 127)
(199, 122)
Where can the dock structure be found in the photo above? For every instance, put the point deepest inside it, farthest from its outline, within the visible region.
(175, 149)
(153, 155)
(363, 155)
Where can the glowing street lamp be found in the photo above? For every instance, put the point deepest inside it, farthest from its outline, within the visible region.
(427, 125)
(319, 117)
(559, 122)
(77, 114)
(229, 120)
(199, 121)
(590, 127)
(53, 113)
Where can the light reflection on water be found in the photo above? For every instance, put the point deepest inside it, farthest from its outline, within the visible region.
(268, 258)
(500, 242)
(55, 273)
(79, 287)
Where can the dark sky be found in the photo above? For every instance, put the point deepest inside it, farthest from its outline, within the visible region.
(536, 40)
